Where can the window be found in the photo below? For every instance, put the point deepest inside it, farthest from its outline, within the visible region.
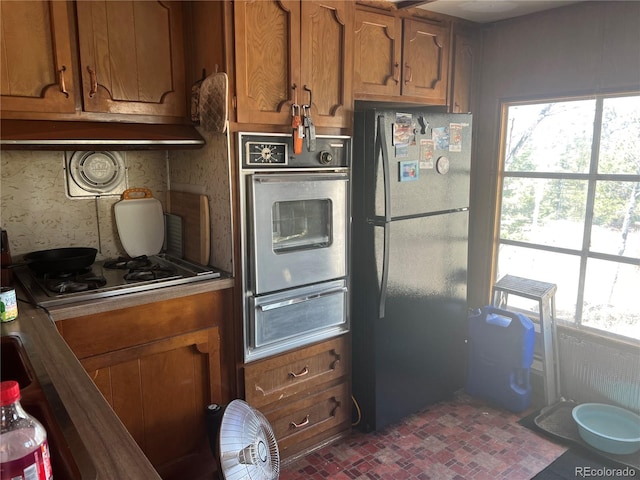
(569, 210)
(301, 225)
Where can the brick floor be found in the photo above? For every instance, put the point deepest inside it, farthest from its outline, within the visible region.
(464, 439)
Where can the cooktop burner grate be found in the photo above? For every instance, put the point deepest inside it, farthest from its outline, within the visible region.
(151, 272)
(122, 263)
(77, 284)
(112, 277)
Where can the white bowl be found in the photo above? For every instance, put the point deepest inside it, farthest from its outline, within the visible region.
(608, 428)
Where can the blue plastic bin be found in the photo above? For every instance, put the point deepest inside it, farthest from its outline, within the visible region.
(501, 347)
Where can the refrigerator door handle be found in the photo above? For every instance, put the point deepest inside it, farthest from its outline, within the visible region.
(385, 269)
(382, 153)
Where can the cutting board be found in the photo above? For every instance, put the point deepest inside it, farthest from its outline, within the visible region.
(140, 222)
(196, 229)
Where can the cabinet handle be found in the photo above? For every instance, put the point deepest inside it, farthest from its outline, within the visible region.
(396, 73)
(335, 409)
(335, 363)
(302, 373)
(307, 89)
(410, 75)
(63, 86)
(94, 82)
(305, 422)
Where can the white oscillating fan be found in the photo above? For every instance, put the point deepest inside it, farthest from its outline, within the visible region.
(243, 442)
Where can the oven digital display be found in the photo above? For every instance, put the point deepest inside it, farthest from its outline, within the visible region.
(259, 153)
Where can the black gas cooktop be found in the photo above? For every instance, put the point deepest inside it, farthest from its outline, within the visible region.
(106, 278)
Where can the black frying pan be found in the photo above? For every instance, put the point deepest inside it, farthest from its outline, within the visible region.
(60, 260)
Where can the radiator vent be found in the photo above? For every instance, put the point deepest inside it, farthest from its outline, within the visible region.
(593, 372)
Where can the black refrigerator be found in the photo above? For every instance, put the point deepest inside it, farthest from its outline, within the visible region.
(410, 203)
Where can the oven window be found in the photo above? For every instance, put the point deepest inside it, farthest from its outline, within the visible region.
(301, 225)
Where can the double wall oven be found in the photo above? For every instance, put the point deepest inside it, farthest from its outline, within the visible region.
(294, 239)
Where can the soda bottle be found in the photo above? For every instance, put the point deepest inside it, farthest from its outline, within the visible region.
(24, 451)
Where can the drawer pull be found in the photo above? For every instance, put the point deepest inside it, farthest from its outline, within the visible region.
(335, 409)
(335, 363)
(304, 423)
(302, 373)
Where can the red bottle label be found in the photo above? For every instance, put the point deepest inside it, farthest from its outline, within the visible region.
(33, 466)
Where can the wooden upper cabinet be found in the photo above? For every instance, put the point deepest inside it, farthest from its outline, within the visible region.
(462, 77)
(425, 61)
(400, 58)
(267, 45)
(132, 57)
(326, 63)
(282, 44)
(36, 70)
(377, 54)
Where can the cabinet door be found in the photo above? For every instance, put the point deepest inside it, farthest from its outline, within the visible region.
(425, 62)
(267, 48)
(326, 61)
(132, 57)
(36, 69)
(160, 391)
(377, 54)
(462, 73)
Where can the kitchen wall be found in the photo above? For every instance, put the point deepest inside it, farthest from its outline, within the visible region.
(38, 215)
(589, 47)
(207, 171)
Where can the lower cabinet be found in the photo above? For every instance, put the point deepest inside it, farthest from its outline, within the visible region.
(305, 394)
(158, 369)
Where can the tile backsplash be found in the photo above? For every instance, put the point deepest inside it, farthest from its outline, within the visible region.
(37, 213)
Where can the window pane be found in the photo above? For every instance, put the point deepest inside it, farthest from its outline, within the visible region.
(550, 137)
(547, 186)
(616, 219)
(620, 137)
(563, 270)
(547, 212)
(611, 297)
(301, 225)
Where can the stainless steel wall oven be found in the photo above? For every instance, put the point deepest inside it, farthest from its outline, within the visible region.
(295, 241)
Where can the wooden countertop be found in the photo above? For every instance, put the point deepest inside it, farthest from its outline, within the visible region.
(87, 420)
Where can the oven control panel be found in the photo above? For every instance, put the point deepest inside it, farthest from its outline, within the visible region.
(275, 151)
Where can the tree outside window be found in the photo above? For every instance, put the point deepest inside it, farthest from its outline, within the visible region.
(569, 210)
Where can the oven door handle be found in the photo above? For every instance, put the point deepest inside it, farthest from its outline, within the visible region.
(296, 300)
(299, 177)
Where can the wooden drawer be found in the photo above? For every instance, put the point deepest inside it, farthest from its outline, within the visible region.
(299, 421)
(287, 375)
(110, 331)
